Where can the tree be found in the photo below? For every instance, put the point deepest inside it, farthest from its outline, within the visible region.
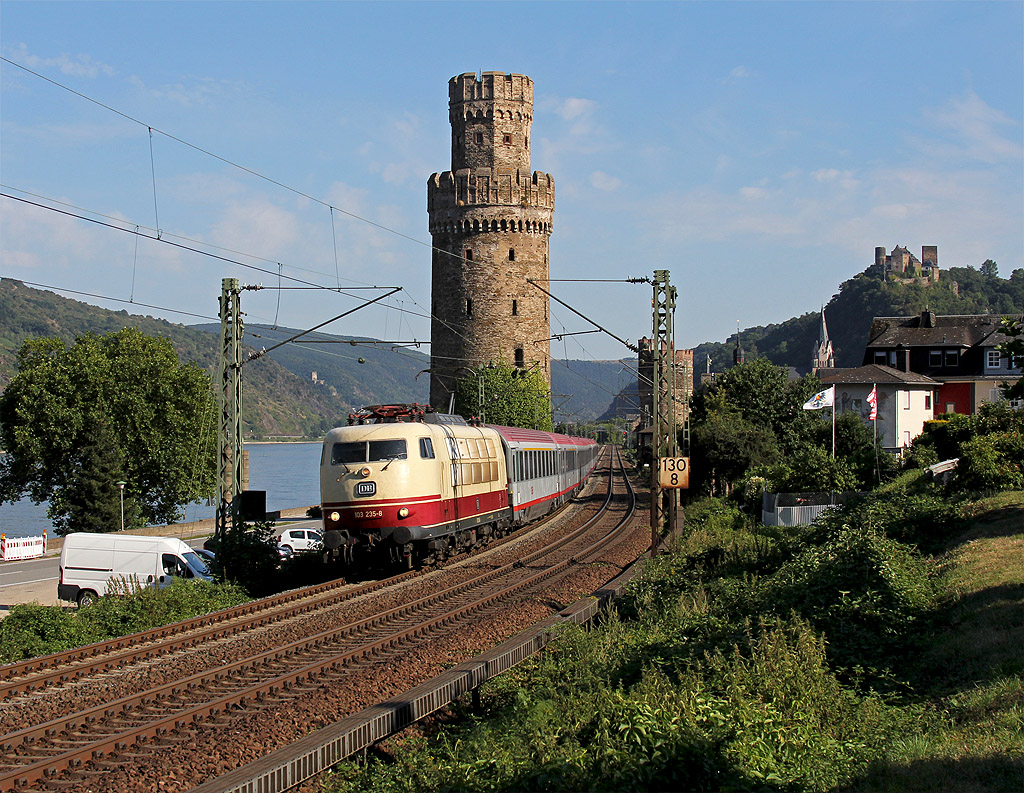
(1013, 349)
(128, 393)
(989, 268)
(511, 396)
(93, 502)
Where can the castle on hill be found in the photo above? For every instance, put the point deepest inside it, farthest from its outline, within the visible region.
(903, 263)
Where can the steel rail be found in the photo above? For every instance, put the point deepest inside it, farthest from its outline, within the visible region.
(34, 674)
(51, 765)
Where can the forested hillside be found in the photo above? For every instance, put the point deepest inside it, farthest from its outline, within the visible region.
(960, 290)
(280, 396)
(275, 401)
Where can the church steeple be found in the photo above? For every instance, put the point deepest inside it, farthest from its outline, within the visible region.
(737, 352)
(822, 355)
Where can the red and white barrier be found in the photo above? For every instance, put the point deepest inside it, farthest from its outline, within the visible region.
(21, 547)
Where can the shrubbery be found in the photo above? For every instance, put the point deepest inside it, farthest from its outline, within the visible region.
(33, 630)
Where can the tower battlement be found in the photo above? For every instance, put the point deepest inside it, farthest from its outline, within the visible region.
(489, 86)
(490, 187)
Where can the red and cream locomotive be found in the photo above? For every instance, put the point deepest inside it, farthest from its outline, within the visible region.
(401, 482)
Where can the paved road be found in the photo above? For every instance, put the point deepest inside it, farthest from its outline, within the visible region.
(35, 580)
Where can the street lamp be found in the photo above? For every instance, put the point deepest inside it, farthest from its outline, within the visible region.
(121, 485)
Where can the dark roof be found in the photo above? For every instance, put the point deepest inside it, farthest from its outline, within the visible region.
(957, 330)
(875, 373)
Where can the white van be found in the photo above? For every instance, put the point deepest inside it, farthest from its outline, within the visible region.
(90, 562)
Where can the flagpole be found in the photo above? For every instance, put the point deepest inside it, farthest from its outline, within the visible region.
(874, 428)
(833, 425)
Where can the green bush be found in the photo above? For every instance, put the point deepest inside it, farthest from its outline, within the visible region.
(867, 594)
(33, 630)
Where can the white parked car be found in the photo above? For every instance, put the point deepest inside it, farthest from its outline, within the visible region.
(301, 540)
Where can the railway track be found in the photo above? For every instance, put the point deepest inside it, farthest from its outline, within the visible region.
(174, 690)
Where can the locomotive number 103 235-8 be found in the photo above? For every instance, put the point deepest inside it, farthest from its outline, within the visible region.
(368, 513)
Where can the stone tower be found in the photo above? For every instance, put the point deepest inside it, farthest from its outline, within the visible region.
(490, 222)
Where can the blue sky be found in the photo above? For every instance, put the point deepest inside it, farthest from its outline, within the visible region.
(759, 151)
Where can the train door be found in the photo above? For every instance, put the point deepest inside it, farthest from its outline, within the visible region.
(451, 485)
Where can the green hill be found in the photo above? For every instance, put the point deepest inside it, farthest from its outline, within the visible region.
(281, 397)
(960, 290)
(276, 402)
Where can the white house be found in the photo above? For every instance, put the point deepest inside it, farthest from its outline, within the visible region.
(905, 400)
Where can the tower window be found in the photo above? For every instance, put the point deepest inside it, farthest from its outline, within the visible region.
(520, 359)
(515, 308)
(479, 137)
(508, 139)
(511, 254)
(469, 254)
(469, 306)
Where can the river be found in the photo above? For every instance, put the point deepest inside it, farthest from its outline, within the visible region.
(289, 472)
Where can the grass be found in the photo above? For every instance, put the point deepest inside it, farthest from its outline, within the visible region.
(971, 668)
(729, 670)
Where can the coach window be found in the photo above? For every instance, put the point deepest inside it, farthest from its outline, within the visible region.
(426, 449)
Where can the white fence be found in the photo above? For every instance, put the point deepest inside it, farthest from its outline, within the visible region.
(12, 548)
(797, 509)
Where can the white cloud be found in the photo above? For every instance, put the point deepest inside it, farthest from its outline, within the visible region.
(80, 65)
(575, 108)
(976, 130)
(753, 193)
(737, 74)
(605, 182)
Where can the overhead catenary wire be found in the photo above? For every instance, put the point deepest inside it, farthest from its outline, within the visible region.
(160, 234)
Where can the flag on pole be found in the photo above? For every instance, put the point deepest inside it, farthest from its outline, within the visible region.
(823, 399)
(873, 401)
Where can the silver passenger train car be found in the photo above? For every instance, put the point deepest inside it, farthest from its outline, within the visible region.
(405, 484)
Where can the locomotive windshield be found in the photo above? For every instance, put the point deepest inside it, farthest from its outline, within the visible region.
(367, 451)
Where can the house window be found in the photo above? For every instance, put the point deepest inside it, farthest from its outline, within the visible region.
(951, 407)
(927, 401)
(880, 357)
(993, 359)
(906, 400)
(952, 357)
(935, 358)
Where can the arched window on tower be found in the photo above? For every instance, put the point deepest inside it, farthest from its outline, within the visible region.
(515, 308)
(511, 254)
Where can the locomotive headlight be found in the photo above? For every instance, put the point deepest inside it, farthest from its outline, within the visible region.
(403, 512)
(335, 516)
(365, 471)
